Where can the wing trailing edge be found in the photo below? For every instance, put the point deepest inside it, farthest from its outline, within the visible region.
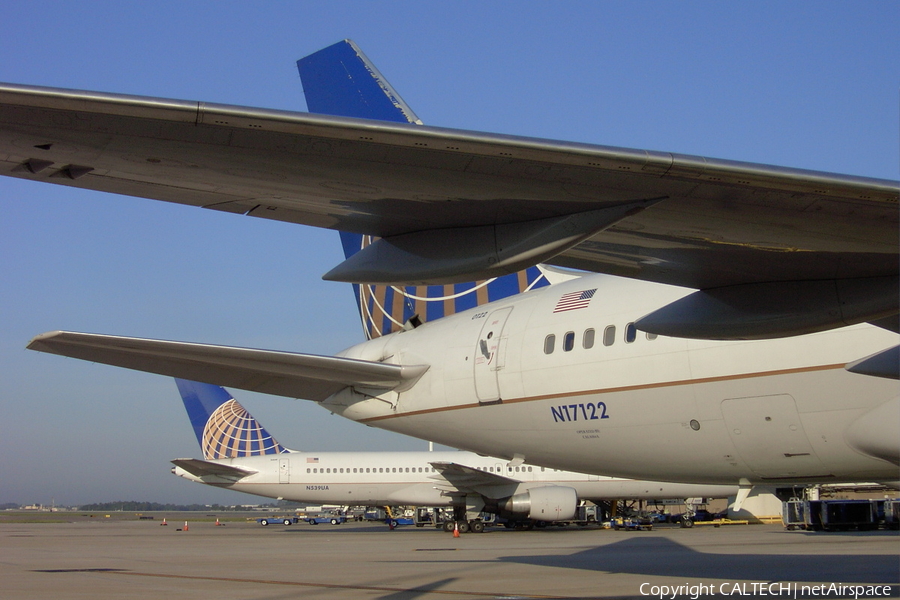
(288, 374)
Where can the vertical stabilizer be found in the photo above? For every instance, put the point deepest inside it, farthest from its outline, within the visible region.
(340, 80)
(223, 427)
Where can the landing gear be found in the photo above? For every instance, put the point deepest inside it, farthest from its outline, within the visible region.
(463, 526)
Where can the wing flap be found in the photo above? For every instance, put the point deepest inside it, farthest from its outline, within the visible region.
(288, 374)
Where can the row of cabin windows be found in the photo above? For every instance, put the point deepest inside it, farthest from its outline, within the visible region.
(372, 470)
(587, 338)
(408, 470)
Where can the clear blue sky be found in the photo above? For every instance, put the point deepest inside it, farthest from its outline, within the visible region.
(800, 84)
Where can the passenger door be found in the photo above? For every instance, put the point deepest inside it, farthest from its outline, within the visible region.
(489, 356)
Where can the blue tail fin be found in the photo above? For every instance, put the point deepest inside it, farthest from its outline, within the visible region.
(341, 81)
(223, 427)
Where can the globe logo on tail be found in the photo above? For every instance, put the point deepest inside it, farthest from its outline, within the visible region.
(232, 432)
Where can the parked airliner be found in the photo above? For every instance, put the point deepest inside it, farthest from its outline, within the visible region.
(736, 323)
(239, 454)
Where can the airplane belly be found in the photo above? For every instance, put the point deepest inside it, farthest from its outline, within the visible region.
(690, 433)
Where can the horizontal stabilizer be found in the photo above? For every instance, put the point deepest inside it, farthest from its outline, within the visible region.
(201, 468)
(280, 373)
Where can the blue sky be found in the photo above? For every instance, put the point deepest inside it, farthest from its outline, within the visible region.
(810, 85)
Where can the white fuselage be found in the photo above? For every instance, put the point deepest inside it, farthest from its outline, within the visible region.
(772, 411)
(407, 478)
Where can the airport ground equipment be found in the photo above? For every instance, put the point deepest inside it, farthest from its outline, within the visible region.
(265, 521)
(830, 515)
(333, 519)
(892, 514)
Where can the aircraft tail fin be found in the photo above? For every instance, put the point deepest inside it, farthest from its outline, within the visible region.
(223, 427)
(340, 80)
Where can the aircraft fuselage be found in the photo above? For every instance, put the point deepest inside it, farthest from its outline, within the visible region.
(600, 397)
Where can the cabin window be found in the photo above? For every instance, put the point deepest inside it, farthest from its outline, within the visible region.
(342, 469)
(630, 333)
(354, 469)
(569, 341)
(395, 469)
(381, 469)
(587, 341)
(549, 344)
(367, 469)
(308, 470)
(328, 470)
(529, 469)
(609, 335)
(407, 469)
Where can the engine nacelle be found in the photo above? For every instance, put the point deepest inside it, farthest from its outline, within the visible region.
(550, 503)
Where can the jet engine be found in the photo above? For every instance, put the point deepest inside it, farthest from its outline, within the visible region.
(549, 503)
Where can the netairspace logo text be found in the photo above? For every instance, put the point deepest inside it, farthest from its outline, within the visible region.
(782, 589)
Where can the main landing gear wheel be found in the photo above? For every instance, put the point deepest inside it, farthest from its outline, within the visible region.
(448, 526)
(463, 526)
(476, 526)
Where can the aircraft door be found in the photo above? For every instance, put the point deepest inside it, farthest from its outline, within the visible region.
(489, 356)
(284, 470)
(768, 434)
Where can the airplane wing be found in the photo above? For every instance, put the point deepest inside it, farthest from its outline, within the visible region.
(462, 205)
(198, 467)
(460, 478)
(280, 373)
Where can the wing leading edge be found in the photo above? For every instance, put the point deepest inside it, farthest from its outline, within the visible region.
(280, 373)
(722, 223)
(429, 191)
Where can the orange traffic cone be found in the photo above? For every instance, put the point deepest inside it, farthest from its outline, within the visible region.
(456, 529)
(217, 522)
(164, 522)
(185, 526)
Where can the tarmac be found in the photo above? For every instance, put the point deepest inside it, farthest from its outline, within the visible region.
(123, 556)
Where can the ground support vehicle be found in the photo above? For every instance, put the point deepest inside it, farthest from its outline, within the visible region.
(333, 519)
(634, 523)
(892, 514)
(264, 521)
(830, 515)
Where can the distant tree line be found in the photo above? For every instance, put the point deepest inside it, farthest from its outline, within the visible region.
(135, 506)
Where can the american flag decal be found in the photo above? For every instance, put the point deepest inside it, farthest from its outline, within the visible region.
(574, 300)
(312, 460)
